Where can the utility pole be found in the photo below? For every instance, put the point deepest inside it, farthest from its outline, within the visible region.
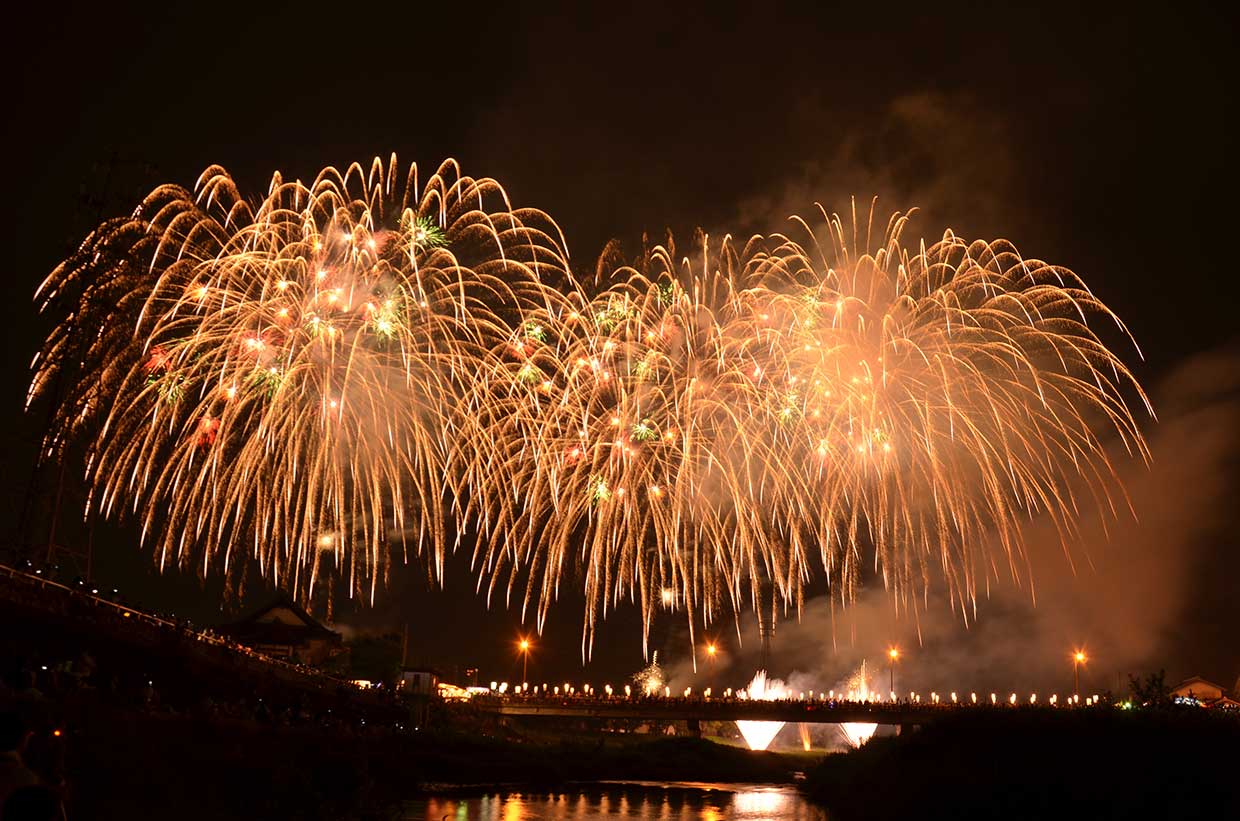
(766, 621)
(97, 203)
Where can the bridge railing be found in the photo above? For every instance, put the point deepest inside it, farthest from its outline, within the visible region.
(901, 710)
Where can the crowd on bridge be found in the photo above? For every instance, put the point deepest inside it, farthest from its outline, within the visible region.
(567, 695)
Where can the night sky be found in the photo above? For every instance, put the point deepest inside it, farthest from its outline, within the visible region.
(1100, 140)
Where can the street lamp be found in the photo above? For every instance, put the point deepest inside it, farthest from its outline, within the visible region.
(893, 655)
(711, 650)
(1078, 658)
(525, 660)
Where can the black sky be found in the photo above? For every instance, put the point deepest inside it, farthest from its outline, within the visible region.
(1096, 138)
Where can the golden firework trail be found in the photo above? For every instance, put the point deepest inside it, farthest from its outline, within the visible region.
(344, 367)
(278, 381)
(749, 416)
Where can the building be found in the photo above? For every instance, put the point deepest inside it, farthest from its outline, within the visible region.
(420, 686)
(418, 681)
(284, 630)
(1198, 690)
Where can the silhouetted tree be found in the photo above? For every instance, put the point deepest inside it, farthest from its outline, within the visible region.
(1152, 692)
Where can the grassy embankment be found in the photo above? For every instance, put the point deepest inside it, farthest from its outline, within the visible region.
(1097, 764)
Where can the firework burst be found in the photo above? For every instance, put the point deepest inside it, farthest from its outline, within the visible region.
(353, 370)
(732, 421)
(279, 381)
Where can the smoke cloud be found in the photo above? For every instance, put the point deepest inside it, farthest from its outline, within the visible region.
(946, 154)
(1138, 594)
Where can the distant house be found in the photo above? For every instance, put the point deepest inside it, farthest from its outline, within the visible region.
(1199, 690)
(284, 630)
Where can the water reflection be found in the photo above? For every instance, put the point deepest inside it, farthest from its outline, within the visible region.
(665, 802)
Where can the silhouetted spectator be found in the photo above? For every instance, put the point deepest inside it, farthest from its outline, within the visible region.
(14, 774)
(27, 686)
(33, 803)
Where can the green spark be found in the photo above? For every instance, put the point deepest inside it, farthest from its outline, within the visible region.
(644, 431)
(614, 315)
(169, 386)
(529, 374)
(268, 380)
(599, 492)
(426, 233)
(535, 331)
(791, 409)
(667, 294)
(385, 320)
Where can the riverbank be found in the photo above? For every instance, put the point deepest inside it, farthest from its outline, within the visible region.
(1037, 765)
(135, 716)
(126, 765)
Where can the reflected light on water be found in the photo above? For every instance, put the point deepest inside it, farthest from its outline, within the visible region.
(671, 802)
(765, 803)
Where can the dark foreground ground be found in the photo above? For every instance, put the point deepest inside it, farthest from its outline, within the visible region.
(1095, 764)
(139, 718)
(136, 766)
(1098, 765)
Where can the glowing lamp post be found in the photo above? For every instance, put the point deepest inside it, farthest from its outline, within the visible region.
(893, 655)
(711, 650)
(1078, 658)
(525, 659)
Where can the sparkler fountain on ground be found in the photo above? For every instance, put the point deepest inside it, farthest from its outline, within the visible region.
(301, 383)
(857, 689)
(759, 734)
(650, 680)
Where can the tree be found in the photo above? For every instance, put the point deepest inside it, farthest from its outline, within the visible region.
(1152, 692)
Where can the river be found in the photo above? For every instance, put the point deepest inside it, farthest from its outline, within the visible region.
(643, 800)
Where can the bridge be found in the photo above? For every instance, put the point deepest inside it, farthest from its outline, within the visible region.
(724, 709)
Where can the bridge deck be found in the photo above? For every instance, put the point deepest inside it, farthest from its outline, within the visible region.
(717, 710)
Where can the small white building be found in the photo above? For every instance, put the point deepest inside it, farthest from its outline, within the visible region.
(419, 681)
(421, 686)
